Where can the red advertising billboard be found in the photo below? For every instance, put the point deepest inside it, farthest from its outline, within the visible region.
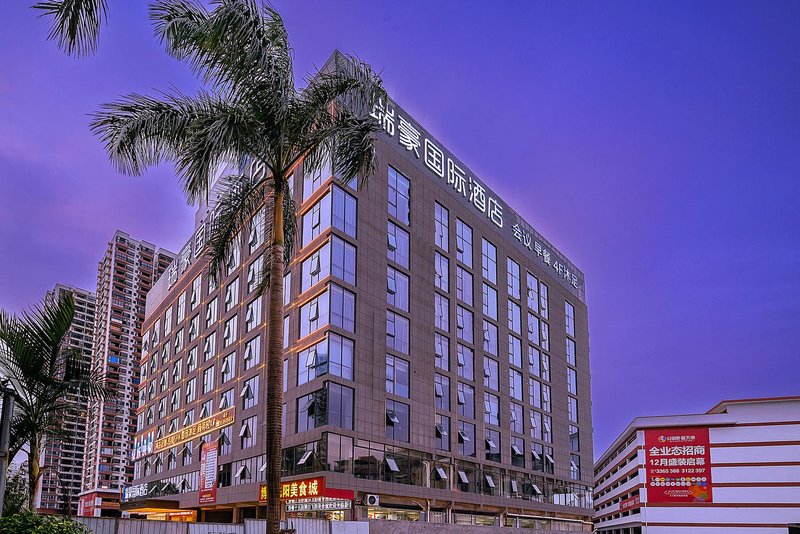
(678, 463)
(208, 473)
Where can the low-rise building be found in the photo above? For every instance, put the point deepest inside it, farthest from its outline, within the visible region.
(734, 469)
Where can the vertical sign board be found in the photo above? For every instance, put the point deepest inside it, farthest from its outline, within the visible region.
(208, 473)
(678, 464)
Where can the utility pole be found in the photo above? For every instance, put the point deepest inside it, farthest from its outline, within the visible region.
(5, 439)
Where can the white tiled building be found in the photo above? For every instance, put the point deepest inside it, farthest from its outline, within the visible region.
(754, 452)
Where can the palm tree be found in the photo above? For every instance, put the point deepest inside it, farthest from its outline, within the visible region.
(75, 24)
(43, 374)
(252, 113)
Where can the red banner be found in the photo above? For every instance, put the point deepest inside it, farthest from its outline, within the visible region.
(678, 462)
(630, 504)
(208, 473)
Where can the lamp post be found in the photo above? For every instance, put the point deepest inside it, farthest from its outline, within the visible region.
(5, 439)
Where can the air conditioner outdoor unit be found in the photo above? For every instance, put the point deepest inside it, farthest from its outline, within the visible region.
(373, 500)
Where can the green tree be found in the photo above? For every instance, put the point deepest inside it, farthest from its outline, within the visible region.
(251, 113)
(75, 24)
(16, 498)
(42, 372)
(29, 522)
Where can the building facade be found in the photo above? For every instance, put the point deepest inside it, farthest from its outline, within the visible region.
(437, 363)
(734, 469)
(62, 459)
(126, 273)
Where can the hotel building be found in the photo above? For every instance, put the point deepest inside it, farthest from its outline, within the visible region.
(437, 358)
(125, 275)
(63, 458)
(733, 470)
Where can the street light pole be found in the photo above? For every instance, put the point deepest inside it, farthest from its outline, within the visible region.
(5, 439)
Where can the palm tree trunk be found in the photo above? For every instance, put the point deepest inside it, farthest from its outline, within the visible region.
(274, 334)
(33, 471)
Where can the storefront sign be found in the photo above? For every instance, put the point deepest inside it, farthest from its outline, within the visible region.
(397, 124)
(320, 504)
(630, 504)
(208, 473)
(136, 492)
(678, 463)
(307, 488)
(200, 428)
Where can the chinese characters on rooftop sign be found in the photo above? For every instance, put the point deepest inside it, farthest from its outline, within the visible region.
(200, 428)
(678, 466)
(442, 165)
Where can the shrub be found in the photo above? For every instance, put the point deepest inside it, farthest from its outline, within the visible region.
(29, 522)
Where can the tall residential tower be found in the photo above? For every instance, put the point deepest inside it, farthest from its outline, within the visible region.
(63, 458)
(125, 275)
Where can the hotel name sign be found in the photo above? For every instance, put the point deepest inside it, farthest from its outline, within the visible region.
(415, 140)
(200, 428)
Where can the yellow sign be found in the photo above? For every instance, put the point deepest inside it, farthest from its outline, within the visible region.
(200, 428)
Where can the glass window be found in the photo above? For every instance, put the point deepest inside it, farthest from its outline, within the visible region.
(232, 295)
(441, 387)
(569, 315)
(489, 261)
(314, 178)
(397, 249)
(336, 257)
(343, 308)
(463, 243)
(337, 208)
(491, 440)
(197, 285)
(533, 328)
(252, 353)
(543, 305)
(256, 237)
(572, 381)
(335, 306)
(515, 384)
(441, 306)
(464, 285)
(231, 332)
(534, 361)
(516, 418)
(466, 362)
(249, 393)
(287, 288)
(513, 278)
(574, 438)
(536, 425)
(442, 432)
(228, 367)
(545, 367)
(571, 352)
(191, 390)
(441, 229)
(572, 409)
(464, 324)
(547, 431)
(397, 420)
(514, 351)
(316, 267)
(546, 398)
(535, 393)
(489, 301)
(397, 376)
(253, 314)
(441, 349)
(442, 272)
(517, 452)
(255, 273)
(491, 374)
(248, 431)
(466, 438)
(537, 457)
(333, 355)
(489, 338)
(514, 317)
(340, 405)
(398, 195)
(208, 379)
(545, 335)
(344, 211)
(491, 409)
(396, 332)
(466, 401)
(396, 289)
(533, 293)
(574, 467)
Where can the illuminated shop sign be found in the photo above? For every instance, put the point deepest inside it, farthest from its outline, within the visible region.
(307, 488)
(200, 428)
(441, 164)
(320, 504)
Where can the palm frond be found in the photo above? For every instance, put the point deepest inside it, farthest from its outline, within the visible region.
(75, 25)
(232, 214)
(289, 224)
(197, 133)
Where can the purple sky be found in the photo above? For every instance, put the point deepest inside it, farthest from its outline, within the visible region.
(656, 143)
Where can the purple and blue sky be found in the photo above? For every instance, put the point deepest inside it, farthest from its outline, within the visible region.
(656, 143)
